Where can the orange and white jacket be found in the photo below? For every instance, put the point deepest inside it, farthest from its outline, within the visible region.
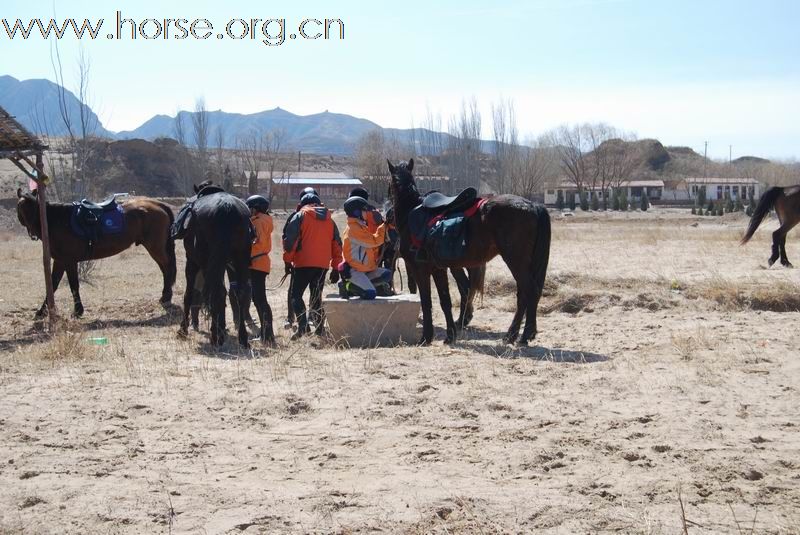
(362, 249)
(311, 239)
(262, 246)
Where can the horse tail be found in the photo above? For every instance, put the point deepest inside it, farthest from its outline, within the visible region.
(172, 272)
(765, 204)
(541, 248)
(219, 252)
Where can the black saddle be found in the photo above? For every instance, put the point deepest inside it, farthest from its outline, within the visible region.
(208, 190)
(438, 202)
(98, 208)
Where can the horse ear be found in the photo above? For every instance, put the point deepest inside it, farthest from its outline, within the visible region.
(195, 188)
(410, 165)
(391, 167)
(19, 193)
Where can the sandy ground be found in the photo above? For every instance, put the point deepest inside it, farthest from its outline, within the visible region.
(665, 377)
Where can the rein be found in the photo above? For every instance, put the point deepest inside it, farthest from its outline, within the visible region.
(280, 282)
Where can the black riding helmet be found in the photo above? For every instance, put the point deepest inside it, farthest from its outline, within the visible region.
(360, 192)
(258, 203)
(354, 205)
(308, 190)
(310, 198)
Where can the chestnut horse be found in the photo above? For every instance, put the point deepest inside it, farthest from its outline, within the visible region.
(508, 225)
(146, 222)
(786, 202)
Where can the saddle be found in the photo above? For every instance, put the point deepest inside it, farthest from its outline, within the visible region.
(438, 202)
(91, 221)
(439, 224)
(181, 224)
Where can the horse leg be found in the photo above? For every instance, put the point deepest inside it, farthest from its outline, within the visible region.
(55, 276)
(241, 275)
(513, 330)
(777, 236)
(191, 276)
(159, 254)
(74, 286)
(423, 281)
(462, 281)
(522, 278)
(443, 289)
(412, 281)
(784, 259)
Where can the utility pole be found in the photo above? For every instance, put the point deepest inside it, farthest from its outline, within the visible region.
(705, 159)
(730, 154)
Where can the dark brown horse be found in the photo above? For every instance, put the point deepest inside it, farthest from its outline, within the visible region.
(786, 202)
(217, 240)
(510, 226)
(146, 222)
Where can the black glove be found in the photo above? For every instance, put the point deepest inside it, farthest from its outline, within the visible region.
(287, 268)
(334, 276)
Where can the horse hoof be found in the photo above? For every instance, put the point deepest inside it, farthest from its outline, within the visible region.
(424, 342)
(183, 334)
(78, 312)
(508, 339)
(787, 265)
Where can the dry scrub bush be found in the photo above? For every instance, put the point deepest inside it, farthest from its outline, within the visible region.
(779, 296)
(67, 344)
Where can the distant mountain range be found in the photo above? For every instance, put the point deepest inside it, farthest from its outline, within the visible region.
(35, 103)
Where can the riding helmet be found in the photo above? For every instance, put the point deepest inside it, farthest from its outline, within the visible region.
(310, 198)
(308, 190)
(354, 205)
(258, 203)
(360, 192)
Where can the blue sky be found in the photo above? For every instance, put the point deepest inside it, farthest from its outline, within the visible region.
(685, 72)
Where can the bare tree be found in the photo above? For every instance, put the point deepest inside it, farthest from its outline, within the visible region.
(506, 144)
(531, 166)
(80, 126)
(200, 126)
(572, 145)
(464, 151)
(272, 150)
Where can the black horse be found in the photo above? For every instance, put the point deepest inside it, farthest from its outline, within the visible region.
(508, 225)
(217, 239)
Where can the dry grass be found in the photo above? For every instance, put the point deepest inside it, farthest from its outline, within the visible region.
(729, 294)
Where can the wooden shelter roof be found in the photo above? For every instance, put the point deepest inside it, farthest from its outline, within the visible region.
(15, 138)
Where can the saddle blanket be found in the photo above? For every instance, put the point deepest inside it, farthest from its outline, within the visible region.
(445, 235)
(94, 226)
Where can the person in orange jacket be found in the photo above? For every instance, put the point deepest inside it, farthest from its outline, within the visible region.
(260, 262)
(362, 249)
(311, 245)
(370, 214)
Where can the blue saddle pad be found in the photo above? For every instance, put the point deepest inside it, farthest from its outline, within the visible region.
(94, 226)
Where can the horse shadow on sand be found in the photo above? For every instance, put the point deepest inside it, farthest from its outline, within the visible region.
(475, 338)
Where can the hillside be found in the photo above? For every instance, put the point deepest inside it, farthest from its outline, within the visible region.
(35, 103)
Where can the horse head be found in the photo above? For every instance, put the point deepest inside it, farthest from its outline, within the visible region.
(28, 212)
(403, 190)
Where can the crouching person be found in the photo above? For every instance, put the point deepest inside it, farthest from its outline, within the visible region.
(260, 263)
(362, 253)
(311, 245)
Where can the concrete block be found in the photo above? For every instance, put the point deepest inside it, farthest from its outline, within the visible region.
(383, 321)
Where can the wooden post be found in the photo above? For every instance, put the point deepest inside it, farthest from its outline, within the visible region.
(48, 278)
